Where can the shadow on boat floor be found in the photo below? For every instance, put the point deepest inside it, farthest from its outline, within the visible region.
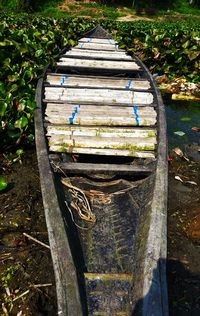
(27, 281)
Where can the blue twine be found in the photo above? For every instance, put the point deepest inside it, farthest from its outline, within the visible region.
(128, 84)
(62, 80)
(75, 111)
(135, 108)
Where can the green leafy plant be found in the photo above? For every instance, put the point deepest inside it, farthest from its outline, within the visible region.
(3, 183)
(170, 48)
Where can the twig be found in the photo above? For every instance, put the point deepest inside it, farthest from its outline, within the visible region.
(36, 240)
(40, 285)
(23, 294)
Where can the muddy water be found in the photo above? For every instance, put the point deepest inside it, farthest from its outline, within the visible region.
(27, 280)
(184, 210)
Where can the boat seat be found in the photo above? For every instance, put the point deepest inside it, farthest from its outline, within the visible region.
(100, 114)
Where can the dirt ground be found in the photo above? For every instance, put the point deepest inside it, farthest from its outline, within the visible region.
(27, 279)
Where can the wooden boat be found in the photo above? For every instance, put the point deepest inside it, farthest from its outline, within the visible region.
(101, 145)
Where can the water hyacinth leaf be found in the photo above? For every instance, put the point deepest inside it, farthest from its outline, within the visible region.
(31, 138)
(185, 119)
(3, 183)
(21, 123)
(179, 133)
(38, 53)
(3, 107)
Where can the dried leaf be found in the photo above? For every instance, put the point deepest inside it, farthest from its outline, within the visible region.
(178, 178)
(191, 182)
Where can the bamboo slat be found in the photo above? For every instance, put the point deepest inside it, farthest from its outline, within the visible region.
(97, 54)
(106, 152)
(78, 81)
(98, 64)
(98, 46)
(98, 96)
(68, 110)
(103, 143)
(97, 40)
(71, 130)
(97, 120)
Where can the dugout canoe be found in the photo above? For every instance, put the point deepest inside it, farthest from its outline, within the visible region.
(100, 134)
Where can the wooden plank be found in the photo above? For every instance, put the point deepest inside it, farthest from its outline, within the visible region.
(104, 142)
(98, 64)
(79, 81)
(101, 111)
(106, 152)
(98, 96)
(60, 108)
(99, 46)
(71, 130)
(103, 120)
(97, 40)
(90, 168)
(80, 53)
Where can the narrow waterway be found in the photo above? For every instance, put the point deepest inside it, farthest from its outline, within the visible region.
(183, 208)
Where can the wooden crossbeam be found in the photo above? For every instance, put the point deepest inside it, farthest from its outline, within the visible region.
(104, 152)
(92, 168)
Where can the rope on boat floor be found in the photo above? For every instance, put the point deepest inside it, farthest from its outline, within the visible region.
(79, 201)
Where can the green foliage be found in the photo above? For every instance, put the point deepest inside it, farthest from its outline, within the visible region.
(3, 183)
(29, 43)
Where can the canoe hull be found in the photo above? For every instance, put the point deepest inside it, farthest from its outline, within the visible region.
(115, 265)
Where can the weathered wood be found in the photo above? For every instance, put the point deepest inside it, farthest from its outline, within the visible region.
(104, 143)
(71, 130)
(92, 168)
(78, 81)
(98, 95)
(98, 64)
(52, 107)
(112, 55)
(98, 46)
(97, 40)
(108, 121)
(106, 152)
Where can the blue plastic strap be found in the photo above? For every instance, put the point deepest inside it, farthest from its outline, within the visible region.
(135, 108)
(62, 80)
(81, 46)
(129, 84)
(75, 111)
